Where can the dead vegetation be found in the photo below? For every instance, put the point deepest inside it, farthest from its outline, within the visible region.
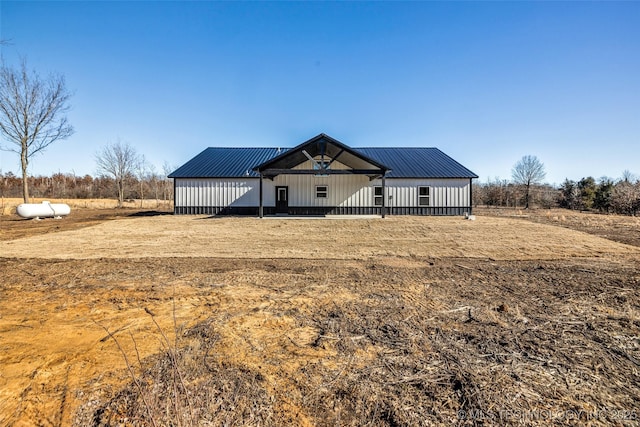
(409, 336)
(618, 228)
(440, 342)
(84, 213)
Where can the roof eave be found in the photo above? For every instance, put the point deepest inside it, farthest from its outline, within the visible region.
(431, 177)
(215, 177)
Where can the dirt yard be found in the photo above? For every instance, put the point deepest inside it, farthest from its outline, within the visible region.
(126, 317)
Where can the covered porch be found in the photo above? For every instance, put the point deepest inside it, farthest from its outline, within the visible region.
(326, 159)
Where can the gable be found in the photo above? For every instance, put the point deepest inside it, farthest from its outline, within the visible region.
(327, 150)
(333, 164)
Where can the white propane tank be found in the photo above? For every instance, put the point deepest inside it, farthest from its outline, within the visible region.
(43, 210)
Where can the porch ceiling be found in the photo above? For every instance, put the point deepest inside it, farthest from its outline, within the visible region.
(323, 146)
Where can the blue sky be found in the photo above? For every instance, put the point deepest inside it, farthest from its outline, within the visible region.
(486, 82)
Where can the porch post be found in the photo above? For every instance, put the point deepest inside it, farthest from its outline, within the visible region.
(470, 196)
(175, 198)
(260, 208)
(384, 198)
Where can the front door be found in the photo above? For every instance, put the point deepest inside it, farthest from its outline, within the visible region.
(282, 199)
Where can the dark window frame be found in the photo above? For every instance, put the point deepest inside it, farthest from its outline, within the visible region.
(377, 195)
(424, 200)
(322, 194)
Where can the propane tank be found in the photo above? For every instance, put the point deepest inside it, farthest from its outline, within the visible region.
(43, 210)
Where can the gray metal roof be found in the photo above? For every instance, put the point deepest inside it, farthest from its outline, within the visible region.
(217, 162)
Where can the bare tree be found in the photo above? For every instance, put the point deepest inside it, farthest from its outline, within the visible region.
(625, 197)
(628, 176)
(167, 190)
(142, 169)
(526, 172)
(32, 114)
(118, 160)
(154, 181)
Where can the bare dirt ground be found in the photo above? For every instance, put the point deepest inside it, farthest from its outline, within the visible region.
(401, 321)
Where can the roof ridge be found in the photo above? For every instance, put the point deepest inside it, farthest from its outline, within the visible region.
(353, 148)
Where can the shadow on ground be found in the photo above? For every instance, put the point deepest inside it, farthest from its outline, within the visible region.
(150, 213)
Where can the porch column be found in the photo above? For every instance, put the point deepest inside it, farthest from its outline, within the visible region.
(384, 198)
(261, 209)
(470, 196)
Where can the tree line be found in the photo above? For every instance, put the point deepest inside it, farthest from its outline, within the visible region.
(606, 195)
(70, 186)
(526, 188)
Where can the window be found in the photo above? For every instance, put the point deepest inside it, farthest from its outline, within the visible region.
(423, 196)
(377, 196)
(322, 191)
(319, 164)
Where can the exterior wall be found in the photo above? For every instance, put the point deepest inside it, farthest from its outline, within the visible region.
(344, 190)
(443, 192)
(213, 196)
(346, 194)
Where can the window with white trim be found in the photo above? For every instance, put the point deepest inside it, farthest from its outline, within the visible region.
(424, 196)
(377, 195)
(322, 191)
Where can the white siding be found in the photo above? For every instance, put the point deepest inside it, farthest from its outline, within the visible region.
(344, 190)
(217, 192)
(443, 192)
(357, 190)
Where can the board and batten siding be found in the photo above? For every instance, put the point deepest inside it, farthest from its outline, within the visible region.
(347, 192)
(358, 190)
(216, 192)
(343, 190)
(442, 192)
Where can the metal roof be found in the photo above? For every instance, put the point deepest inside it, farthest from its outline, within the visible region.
(220, 162)
(417, 162)
(414, 162)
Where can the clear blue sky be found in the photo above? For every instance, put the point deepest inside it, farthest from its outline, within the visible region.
(485, 82)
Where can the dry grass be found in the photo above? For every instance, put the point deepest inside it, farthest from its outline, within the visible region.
(189, 236)
(8, 205)
(623, 229)
(402, 321)
(343, 343)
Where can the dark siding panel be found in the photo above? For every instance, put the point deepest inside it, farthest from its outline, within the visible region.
(323, 210)
(221, 210)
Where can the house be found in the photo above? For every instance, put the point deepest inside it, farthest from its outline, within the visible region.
(322, 176)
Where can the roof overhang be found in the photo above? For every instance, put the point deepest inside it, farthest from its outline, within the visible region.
(322, 146)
